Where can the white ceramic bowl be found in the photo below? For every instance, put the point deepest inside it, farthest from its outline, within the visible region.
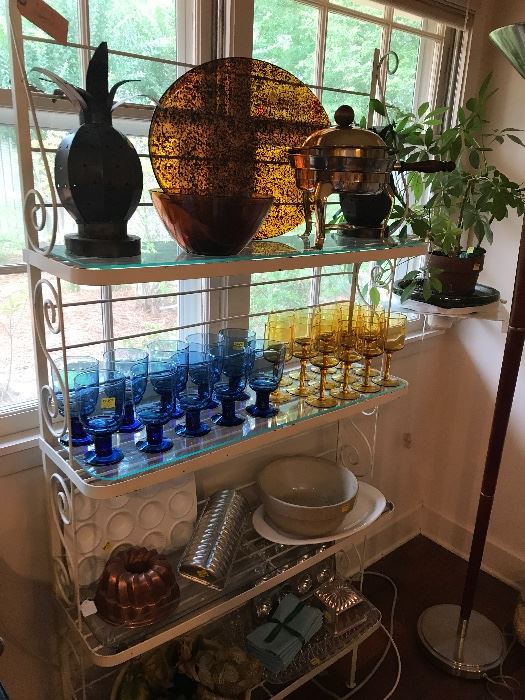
(307, 496)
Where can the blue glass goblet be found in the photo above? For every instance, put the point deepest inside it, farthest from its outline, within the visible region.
(87, 366)
(264, 376)
(100, 405)
(178, 350)
(214, 345)
(231, 385)
(197, 393)
(123, 359)
(238, 339)
(155, 408)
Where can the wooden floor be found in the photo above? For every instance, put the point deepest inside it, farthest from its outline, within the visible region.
(425, 574)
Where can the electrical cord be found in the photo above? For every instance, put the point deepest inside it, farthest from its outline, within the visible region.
(391, 643)
(502, 681)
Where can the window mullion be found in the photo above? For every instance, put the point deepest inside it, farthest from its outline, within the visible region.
(84, 34)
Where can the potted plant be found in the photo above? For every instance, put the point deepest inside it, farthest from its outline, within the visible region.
(453, 211)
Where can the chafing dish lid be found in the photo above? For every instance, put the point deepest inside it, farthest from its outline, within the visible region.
(344, 134)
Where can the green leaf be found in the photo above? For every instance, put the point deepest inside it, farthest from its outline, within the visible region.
(422, 109)
(472, 104)
(427, 289)
(415, 182)
(484, 85)
(516, 139)
(378, 106)
(473, 158)
(375, 297)
(436, 284)
(455, 148)
(479, 230)
(429, 136)
(407, 292)
(488, 232)
(470, 216)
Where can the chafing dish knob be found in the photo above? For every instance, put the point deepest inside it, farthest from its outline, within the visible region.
(344, 116)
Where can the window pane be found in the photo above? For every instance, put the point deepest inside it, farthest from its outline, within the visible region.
(408, 20)
(17, 369)
(350, 45)
(5, 72)
(11, 226)
(401, 86)
(145, 28)
(285, 33)
(154, 313)
(273, 297)
(63, 60)
(370, 8)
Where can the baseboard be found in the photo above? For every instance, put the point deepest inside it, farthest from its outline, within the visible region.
(497, 561)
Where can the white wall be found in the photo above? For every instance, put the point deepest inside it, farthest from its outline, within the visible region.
(474, 351)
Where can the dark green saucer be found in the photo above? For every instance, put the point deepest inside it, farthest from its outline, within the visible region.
(482, 295)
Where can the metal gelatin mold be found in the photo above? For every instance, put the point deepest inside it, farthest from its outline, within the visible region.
(137, 588)
(224, 129)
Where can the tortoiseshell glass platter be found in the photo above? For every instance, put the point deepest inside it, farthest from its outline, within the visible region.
(225, 128)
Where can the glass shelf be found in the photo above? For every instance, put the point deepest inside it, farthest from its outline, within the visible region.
(259, 566)
(165, 260)
(138, 469)
(320, 652)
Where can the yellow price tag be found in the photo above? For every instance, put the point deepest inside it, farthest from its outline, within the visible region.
(315, 661)
(108, 402)
(202, 574)
(238, 345)
(108, 546)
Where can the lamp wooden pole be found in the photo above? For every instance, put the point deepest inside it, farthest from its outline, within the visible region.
(463, 642)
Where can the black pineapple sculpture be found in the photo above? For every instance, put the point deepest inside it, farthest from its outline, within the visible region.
(98, 175)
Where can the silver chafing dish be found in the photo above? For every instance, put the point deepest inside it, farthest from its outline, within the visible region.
(353, 162)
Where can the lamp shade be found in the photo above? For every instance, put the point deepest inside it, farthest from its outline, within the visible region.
(511, 42)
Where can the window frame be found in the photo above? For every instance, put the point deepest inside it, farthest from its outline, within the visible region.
(194, 26)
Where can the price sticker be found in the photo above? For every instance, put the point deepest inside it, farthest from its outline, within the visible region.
(238, 344)
(315, 661)
(202, 574)
(108, 402)
(108, 546)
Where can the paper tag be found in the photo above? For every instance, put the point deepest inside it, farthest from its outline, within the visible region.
(238, 345)
(345, 508)
(202, 574)
(315, 661)
(108, 402)
(87, 608)
(108, 546)
(45, 17)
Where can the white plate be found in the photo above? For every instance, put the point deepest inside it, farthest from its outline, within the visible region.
(369, 505)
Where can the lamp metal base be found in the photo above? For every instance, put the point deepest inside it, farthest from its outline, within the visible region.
(480, 649)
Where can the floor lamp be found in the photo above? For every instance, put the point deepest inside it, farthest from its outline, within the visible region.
(462, 641)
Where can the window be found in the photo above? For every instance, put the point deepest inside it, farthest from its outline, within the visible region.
(330, 46)
(153, 30)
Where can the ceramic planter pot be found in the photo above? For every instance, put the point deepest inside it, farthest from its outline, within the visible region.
(458, 275)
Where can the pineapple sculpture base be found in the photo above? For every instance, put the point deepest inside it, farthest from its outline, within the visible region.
(98, 175)
(102, 241)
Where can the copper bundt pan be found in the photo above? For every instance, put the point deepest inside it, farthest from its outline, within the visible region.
(137, 588)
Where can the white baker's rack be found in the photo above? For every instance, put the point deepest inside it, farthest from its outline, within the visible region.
(65, 474)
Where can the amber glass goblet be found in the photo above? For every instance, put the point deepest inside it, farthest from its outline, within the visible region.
(303, 347)
(329, 314)
(324, 347)
(370, 335)
(395, 334)
(279, 329)
(287, 318)
(347, 353)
